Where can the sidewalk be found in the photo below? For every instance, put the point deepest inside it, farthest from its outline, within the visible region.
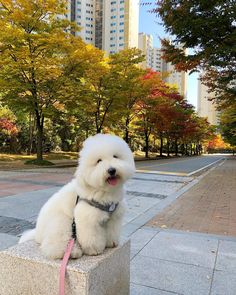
(172, 261)
(209, 207)
(165, 259)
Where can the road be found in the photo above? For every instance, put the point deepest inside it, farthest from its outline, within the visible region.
(186, 166)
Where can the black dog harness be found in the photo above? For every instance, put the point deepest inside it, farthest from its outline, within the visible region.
(109, 208)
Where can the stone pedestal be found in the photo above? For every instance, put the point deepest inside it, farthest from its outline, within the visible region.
(25, 271)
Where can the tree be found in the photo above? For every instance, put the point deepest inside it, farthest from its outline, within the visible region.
(228, 125)
(126, 76)
(34, 45)
(8, 128)
(208, 27)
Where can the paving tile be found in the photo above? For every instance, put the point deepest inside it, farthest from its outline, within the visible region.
(171, 276)
(224, 283)
(153, 187)
(139, 239)
(7, 241)
(26, 205)
(183, 248)
(226, 259)
(143, 290)
(128, 229)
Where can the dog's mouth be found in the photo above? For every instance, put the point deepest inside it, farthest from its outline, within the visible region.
(113, 180)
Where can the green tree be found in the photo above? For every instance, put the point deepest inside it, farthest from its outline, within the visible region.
(34, 45)
(228, 125)
(127, 87)
(208, 27)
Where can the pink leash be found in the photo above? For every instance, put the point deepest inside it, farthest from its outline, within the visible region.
(63, 266)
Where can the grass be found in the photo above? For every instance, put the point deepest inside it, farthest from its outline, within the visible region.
(50, 157)
(39, 162)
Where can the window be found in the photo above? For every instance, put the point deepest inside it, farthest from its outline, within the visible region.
(122, 16)
(121, 23)
(121, 38)
(113, 16)
(122, 9)
(113, 24)
(112, 45)
(121, 31)
(122, 44)
(112, 31)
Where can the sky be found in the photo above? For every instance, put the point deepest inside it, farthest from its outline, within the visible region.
(150, 24)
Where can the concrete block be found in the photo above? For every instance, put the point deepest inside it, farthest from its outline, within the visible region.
(24, 270)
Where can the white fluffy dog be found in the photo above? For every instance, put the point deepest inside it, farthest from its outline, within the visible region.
(105, 163)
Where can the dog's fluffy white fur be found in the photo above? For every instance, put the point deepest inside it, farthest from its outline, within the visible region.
(96, 229)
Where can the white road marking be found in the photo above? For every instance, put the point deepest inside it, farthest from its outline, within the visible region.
(198, 170)
(161, 172)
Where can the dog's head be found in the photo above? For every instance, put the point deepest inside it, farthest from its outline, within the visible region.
(106, 162)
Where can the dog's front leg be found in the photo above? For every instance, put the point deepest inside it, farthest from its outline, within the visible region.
(91, 233)
(113, 227)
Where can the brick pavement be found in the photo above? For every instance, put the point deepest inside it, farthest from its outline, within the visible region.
(209, 207)
(12, 184)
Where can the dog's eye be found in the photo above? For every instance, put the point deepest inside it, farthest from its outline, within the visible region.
(99, 160)
(115, 157)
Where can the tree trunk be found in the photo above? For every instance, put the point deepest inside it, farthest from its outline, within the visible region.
(126, 137)
(31, 130)
(39, 126)
(146, 144)
(186, 149)
(176, 147)
(168, 147)
(161, 145)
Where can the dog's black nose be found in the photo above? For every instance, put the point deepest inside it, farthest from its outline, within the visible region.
(112, 171)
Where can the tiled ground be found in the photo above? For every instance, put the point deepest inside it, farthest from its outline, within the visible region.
(208, 207)
(173, 262)
(163, 262)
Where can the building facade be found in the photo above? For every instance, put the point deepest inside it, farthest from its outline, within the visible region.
(205, 107)
(171, 76)
(153, 60)
(145, 43)
(107, 24)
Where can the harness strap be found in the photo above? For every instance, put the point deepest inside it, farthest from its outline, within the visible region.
(110, 207)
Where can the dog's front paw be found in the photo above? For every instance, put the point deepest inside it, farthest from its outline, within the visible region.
(76, 252)
(112, 244)
(53, 251)
(93, 251)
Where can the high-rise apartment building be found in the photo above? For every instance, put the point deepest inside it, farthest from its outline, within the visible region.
(153, 60)
(157, 62)
(205, 107)
(175, 78)
(145, 43)
(107, 24)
